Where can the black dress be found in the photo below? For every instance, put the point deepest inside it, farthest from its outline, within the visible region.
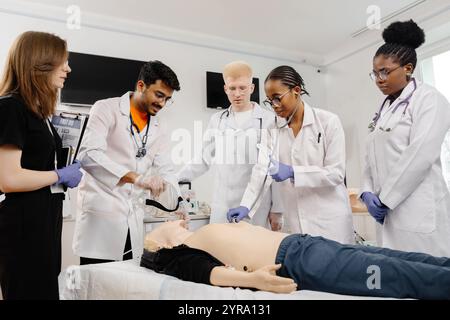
(30, 222)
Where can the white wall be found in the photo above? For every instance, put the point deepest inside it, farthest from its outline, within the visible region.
(190, 62)
(353, 96)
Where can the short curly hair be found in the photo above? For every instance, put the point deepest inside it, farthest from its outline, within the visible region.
(153, 71)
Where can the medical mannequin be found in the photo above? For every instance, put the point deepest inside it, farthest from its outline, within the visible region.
(229, 150)
(243, 255)
(403, 186)
(308, 163)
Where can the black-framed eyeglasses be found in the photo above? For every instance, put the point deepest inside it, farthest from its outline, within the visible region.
(275, 101)
(163, 98)
(382, 75)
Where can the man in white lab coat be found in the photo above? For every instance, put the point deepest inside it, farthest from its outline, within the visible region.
(229, 149)
(122, 142)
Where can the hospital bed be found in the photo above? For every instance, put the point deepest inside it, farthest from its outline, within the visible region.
(128, 281)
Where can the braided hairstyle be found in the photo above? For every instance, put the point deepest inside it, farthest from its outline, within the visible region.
(289, 77)
(401, 41)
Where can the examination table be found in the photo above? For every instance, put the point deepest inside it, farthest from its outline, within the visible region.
(127, 280)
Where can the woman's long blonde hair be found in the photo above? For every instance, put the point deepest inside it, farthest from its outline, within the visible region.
(31, 60)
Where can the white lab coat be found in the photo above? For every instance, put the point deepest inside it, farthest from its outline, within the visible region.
(445, 159)
(107, 153)
(403, 168)
(317, 202)
(231, 153)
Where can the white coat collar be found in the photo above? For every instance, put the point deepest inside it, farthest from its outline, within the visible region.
(124, 104)
(308, 116)
(256, 114)
(257, 111)
(408, 89)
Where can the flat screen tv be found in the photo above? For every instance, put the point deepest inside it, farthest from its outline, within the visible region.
(96, 77)
(215, 95)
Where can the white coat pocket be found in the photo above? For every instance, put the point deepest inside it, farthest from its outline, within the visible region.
(92, 202)
(314, 152)
(417, 213)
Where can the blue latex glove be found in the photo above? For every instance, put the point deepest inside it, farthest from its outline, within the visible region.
(237, 214)
(376, 208)
(280, 171)
(381, 221)
(70, 176)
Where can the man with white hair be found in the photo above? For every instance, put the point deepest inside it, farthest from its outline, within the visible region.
(229, 143)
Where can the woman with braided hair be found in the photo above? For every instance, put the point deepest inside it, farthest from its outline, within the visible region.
(307, 163)
(403, 186)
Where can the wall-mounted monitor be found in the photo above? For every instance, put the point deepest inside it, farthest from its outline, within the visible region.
(96, 77)
(215, 95)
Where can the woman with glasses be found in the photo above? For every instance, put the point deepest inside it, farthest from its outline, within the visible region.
(403, 186)
(307, 155)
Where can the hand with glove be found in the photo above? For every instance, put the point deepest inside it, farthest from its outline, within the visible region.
(155, 184)
(71, 175)
(182, 215)
(280, 171)
(375, 207)
(237, 214)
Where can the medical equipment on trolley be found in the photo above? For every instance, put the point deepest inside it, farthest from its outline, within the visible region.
(192, 204)
(168, 204)
(405, 102)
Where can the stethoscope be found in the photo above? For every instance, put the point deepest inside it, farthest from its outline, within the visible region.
(227, 113)
(271, 151)
(288, 119)
(141, 149)
(405, 102)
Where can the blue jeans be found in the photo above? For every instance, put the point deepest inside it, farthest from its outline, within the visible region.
(319, 264)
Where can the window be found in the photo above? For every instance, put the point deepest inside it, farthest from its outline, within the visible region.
(435, 73)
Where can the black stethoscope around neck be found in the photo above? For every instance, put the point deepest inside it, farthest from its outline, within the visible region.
(405, 102)
(142, 151)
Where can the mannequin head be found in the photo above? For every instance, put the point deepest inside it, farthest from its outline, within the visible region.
(168, 235)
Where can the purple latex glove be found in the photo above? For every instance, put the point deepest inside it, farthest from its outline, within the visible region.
(70, 176)
(280, 171)
(237, 214)
(376, 208)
